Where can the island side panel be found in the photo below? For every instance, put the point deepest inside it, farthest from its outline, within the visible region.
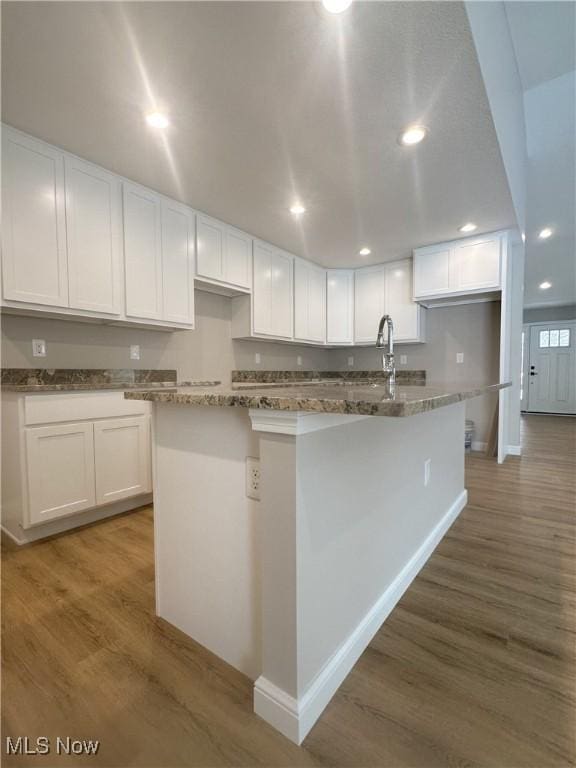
(207, 552)
(363, 525)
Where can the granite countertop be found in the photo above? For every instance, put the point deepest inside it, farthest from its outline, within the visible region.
(83, 379)
(121, 386)
(348, 398)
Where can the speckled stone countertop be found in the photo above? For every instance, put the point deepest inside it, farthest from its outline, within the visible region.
(79, 379)
(286, 377)
(363, 399)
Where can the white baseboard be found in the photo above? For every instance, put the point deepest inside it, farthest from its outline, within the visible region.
(69, 522)
(477, 446)
(295, 717)
(514, 450)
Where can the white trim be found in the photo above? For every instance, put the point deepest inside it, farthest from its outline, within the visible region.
(479, 446)
(297, 422)
(11, 536)
(295, 717)
(546, 304)
(514, 450)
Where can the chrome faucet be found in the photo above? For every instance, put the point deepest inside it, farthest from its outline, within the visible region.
(387, 357)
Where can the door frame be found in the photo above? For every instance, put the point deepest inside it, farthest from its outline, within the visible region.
(527, 330)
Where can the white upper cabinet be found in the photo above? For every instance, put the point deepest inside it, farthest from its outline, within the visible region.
(34, 268)
(368, 303)
(94, 227)
(273, 294)
(467, 266)
(340, 306)
(210, 248)
(238, 258)
(309, 302)
(178, 231)
(142, 252)
(406, 314)
(224, 253)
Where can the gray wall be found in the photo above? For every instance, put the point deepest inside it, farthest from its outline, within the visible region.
(205, 353)
(209, 353)
(470, 328)
(550, 314)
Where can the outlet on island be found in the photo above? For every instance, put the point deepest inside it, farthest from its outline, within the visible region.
(253, 478)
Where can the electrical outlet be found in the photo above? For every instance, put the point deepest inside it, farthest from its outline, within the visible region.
(403, 359)
(38, 348)
(134, 351)
(459, 357)
(427, 468)
(299, 360)
(257, 358)
(253, 478)
(350, 361)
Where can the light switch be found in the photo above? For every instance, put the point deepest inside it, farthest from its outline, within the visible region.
(135, 352)
(459, 357)
(38, 348)
(403, 359)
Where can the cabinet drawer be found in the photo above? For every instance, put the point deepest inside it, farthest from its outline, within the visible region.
(80, 406)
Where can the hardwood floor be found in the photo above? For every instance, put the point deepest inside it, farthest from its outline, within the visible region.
(475, 666)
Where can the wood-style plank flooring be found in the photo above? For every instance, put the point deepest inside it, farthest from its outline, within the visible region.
(475, 666)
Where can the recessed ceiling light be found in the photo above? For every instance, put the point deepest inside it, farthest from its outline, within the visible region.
(336, 6)
(545, 233)
(157, 120)
(297, 209)
(545, 285)
(365, 251)
(468, 227)
(413, 135)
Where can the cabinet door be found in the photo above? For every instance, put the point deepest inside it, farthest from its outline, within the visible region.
(122, 450)
(34, 267)
(432, 272)
(262, 289)
(178, 224)
(142, 252)
(282, 295)
(309, 302)
(210, 248)
(476, 264)
(93, 221)
(238, 258)
(368, 303)
(60, 469)
(340, 306)
(398, 303)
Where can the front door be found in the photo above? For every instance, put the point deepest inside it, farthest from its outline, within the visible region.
(552, 368)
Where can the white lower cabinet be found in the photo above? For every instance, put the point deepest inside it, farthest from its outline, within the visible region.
(60, 466)
(122, 458)
(54, 469)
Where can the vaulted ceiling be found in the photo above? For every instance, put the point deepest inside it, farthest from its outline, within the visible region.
(270, 103)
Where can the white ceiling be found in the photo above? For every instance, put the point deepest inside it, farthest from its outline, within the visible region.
(271, 102)
(544, 35)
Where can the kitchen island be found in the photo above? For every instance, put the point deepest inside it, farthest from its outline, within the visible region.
(358, 483)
